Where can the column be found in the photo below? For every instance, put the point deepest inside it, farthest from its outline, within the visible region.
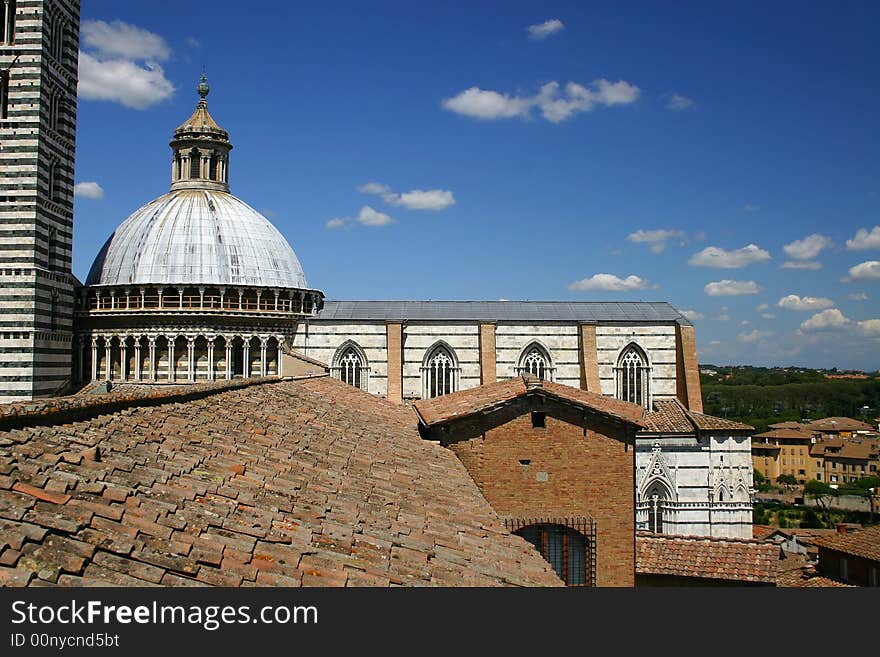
(94, 358)
(222, 296)
(280, 339)
(276, 300)
(262, 356)
(108, 364)
(191, 357)
(259, 294)
(152, 358)
(247, 356)
(240, 295)
(228, 359)
(201, 298)
(394, 351)
(137, 359)
(211, 359)
(171, 368)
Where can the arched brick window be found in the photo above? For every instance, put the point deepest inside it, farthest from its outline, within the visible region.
(564, 548)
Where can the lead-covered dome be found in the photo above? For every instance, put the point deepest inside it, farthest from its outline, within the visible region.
(198, 234)
(197, 237)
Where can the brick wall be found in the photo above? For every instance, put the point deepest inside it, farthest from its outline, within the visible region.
(527, 472)
(589, 359)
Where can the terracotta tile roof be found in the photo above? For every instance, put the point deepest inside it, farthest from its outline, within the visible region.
(308, 482)
(838, 424)
(796, 571)
(474, 400)
(729, 559)
(670, 416)
(760, 532)
(784, 434)
(790, 424)
(863, 543)
(844, 449)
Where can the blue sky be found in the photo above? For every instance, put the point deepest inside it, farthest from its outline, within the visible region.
(719, 156)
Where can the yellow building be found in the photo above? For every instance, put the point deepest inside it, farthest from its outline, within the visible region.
(783, 452)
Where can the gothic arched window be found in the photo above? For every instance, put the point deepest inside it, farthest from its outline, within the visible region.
(439, 373)
(350, 366)
(633, 377)
(656, 496)
(536, 361)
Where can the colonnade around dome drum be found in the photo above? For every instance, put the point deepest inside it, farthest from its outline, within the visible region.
(99, 300)
(166, 357)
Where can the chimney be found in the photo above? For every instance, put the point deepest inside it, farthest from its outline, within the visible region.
(841, 528)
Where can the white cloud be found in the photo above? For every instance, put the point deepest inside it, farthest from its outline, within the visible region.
(763, 306)
(122, 81)
(543, 30)
(555, 106)
(857, 296)
(723, 315)
(868, 269)
(677, 103)
(692, 314)
(728, 288)
(416, 199)
(119, 63)
(370, 217)
(90, 190)
(865, 240)
(336, 223)
(870, 327)
(807, 248)
(805, 264)
(118, 39)
(768, 316)
(825, 320)
(656, 238)
(753, 336)
(794, 302)
(718, 258)
(432, 199)
(611, 283)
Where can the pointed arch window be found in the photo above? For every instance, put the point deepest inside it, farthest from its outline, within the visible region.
(633, 377)
(439, 373)
(53, 180)
(350, 366)
(657, 497)
(536, 361)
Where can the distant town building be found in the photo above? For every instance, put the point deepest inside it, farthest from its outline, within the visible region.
(782, 452)
(851, 556)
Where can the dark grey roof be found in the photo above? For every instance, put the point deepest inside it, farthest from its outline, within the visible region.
(547, 311)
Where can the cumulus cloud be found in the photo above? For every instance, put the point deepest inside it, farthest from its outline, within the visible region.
(801, 264)
(119, 63)
(857, 296)
(90, 190)
(808, 247)
(692, 314)
(864, 270)
(718, 258)
(729, 288)
(416, 199)
(825, 320)
(864, 239)
(768, 316)
(656, 238)
(554, 103)
(336, 223)
(753, 336)
(610, 283)
(794, 302)
(540, 31)
(677, 103)
(118, 39)
(370, 217)
(870, 327)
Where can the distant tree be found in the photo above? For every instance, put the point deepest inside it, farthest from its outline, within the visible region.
(822, 493)
(786, 479)
(869, 487)
(759, 477)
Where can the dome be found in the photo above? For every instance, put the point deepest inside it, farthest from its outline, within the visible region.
(197, 237)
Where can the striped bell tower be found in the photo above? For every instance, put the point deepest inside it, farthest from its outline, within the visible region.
(39, 44)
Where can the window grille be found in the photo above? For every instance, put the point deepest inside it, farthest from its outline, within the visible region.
(567, 544)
